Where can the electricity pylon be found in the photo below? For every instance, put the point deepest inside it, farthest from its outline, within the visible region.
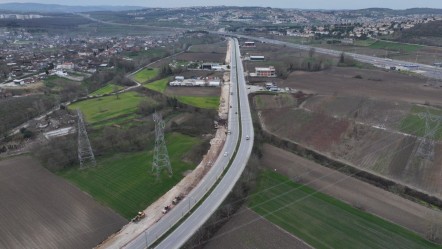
(432, 124)
(161, 156)
(85, 153)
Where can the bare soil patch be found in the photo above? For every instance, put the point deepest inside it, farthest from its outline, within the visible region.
(265, 102)
(201, 73)
(377, 84)
(206, 57)
(41, 210)
(219, 47)
(357, 130)
(238, 233)
(353, 191)
(322, 131)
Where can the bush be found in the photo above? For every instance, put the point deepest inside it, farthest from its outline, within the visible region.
(346, 61)
(58, 153)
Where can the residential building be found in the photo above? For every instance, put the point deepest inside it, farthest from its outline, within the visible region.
(265, 71)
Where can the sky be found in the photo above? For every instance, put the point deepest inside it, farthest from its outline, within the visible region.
(299, 4)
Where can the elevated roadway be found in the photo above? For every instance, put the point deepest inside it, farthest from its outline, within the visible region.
(228, 168)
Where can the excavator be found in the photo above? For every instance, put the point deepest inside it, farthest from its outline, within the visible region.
(139, 216)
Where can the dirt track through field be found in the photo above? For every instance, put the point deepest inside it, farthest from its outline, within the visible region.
(355, 192)
(40, 210)
(260, 234)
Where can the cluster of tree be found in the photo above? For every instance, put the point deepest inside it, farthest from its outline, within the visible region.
(67, 22)
(58, 153)
(312, 63)
(346, 61)
(426, 33)
(123, 65)
(15, 111)
(99, 79)
(4, 70)
(61, 153)
(113, 139)
(165, 71)
(197, 38)
(201, 122)
(71, 90)
(26, 133)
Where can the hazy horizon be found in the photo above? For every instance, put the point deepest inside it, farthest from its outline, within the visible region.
(313, 4)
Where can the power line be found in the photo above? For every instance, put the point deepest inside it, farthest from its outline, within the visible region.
(306, 184)
(161, 156)
(432, 124)
(85, 153)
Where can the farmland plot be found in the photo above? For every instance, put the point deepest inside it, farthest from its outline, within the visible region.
(373, 135)
(41, 210)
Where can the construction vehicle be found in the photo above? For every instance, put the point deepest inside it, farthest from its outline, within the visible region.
(165, 209)
(177, 199)
(139, 216)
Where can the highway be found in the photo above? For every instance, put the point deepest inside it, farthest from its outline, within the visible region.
(240, 125)
(426, 70)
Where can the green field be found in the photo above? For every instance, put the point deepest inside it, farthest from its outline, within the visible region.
(125, 182)
(56, 82)
(325, 222)
(415, 125)
(159, 85)
(208, 102)
(106, 108)
(109, 88)
(151, 53)
(145, 75)
(395, 46)
(364, 43)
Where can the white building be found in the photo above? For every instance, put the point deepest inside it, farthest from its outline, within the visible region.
(249, 44)
(60, 73)
(195, 82)
(66, 66)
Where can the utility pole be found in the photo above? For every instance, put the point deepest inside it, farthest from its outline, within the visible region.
(432, 124)
(161, 156)
(85, 153)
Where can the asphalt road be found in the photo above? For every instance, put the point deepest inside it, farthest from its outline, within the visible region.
(426, 70)
(189, 226)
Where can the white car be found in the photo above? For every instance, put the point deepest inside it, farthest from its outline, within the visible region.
(225, 153)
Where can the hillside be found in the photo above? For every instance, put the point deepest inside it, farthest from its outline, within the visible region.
(37, 7)
(426, 33)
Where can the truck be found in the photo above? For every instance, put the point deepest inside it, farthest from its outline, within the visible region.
(177, 199)
(165, 209)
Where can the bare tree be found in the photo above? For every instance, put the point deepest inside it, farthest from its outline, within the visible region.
(311, 52)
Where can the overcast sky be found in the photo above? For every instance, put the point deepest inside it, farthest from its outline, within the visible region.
(301, 4)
